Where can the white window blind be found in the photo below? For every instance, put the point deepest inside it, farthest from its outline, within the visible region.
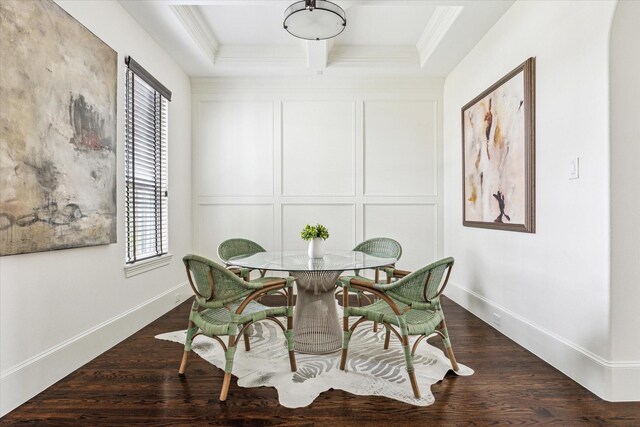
(146, 198)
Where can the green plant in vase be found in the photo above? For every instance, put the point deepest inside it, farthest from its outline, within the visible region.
(315, 235)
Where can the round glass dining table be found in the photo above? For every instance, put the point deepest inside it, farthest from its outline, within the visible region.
(316, 323)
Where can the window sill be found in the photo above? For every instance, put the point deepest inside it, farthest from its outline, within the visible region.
(147, 265)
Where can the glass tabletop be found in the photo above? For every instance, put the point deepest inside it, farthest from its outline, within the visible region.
(300, 261)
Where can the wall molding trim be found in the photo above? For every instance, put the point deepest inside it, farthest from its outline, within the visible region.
(304, 87)
(367, 56)
(23, 381)
(263, 56)
(193, 22)
(147, 265)
(614, 381)
(351, 113)
(436, 29)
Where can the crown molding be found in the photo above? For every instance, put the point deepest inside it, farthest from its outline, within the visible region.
(344, 4)
(261, 55)
(340, 56)
(350, 55)
(195, 25)
(203, 88)
(435, 30)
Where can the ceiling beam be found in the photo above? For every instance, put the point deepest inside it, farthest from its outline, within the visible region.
(318, 53)
(435, 30)
(192, 21)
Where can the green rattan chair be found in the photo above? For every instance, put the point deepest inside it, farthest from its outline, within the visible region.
(379, 246)
(383, 247)
(236, 247)
(225, 306)
(412, 304)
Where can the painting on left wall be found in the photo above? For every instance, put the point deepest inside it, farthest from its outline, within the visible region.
(58, 89)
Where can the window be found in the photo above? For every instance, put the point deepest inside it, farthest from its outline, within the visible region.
(146, 197)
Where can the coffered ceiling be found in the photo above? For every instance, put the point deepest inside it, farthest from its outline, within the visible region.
(382, 37)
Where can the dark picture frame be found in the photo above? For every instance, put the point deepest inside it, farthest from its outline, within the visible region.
(498, 154)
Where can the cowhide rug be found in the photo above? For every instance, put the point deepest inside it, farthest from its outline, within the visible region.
(370, 370)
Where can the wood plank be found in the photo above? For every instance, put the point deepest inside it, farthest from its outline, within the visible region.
(137, 382)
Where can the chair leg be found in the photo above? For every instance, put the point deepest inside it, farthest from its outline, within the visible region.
(447, 345)
(346, 334)
(292, 361)
(343, 359)
(345, 348)
(228, 367)
(191, 331)
(247, 346)
(409, 358)
(292, 353)
(414, 384)
(225, 386)
(452, 358)
(289, 332)
(183, 363)
(387, 338)
(375, 326)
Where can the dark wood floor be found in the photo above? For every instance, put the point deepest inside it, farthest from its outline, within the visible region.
(136, 382)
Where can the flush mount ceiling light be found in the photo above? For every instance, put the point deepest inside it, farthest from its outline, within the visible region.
(314, 19)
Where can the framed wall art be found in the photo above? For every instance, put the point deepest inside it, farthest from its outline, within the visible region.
(58, 89)
(498, 154)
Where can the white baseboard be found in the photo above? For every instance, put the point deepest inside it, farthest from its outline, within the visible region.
(25, 380)
(611, 381)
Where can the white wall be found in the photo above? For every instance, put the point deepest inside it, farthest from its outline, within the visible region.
(551, 288)
(363, 157)
(625, 203)
(58, 310)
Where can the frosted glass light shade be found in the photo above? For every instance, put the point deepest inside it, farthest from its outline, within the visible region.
(314, 20)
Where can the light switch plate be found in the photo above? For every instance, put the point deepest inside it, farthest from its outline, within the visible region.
(574, 168)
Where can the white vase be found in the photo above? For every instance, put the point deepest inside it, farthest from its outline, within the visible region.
(316, 247)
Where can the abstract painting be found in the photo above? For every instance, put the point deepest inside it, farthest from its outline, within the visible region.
(58, 86)
(498, 146)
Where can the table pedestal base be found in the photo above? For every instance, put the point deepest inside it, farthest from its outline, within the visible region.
(316, 326)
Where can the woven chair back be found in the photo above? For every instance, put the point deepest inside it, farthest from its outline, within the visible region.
(427, 283)
(383, 247)
(235, 247)
(211, 280)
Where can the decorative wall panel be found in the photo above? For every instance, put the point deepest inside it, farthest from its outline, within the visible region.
(400, 148)
(414, 226)
(362, 159)
(235, 149)
(339, 219)
(221, 222)
(318, 142)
